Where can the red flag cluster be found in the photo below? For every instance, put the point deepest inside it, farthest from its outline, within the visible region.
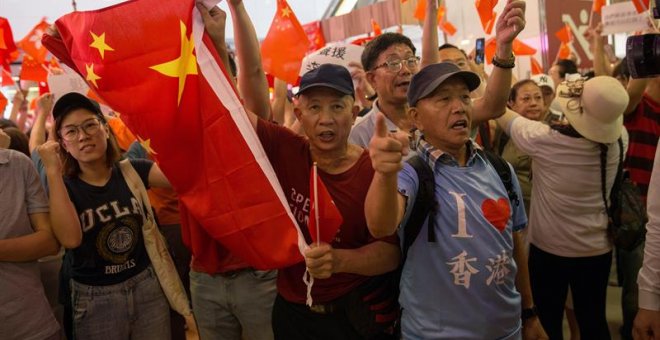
(285, 45)
(443, 24)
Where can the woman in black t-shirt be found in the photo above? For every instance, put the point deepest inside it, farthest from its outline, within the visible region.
(110, 288)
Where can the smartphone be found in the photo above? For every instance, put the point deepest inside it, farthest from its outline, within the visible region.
(479, 51)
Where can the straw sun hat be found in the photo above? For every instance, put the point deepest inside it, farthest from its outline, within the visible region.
(594, 107)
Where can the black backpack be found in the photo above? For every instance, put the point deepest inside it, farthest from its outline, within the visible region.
(626, 212)
(425, 204)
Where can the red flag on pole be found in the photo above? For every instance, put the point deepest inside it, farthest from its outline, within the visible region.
(7, 80)
(285, 45)
(3, 104)
(641, 5)
(448, 28)
(485, 11)
(564, 35)
(234, 198)
(31, 44)
(324, 217)
(536, 66)
(7, 46)
(420, 10)
(520, 48)
(32, 69)
(491, 23)
(375, 27)
(564, 51)
(597, 5)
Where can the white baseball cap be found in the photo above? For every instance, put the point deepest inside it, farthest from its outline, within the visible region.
(543, 80)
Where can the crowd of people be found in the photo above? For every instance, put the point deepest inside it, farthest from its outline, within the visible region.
(474, 205)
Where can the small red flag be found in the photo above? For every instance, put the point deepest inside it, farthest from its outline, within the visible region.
(564, 35)
(7, 46)
(485, 11)
(448, 28)
(375, 27)
(32, 69)
(520, 48)
(324, 217)
(285, 45)
(420, 10)
(31, 44)
(641, 5)
(564, 51)
(491, 23)
(489, 51)
(7, 80)
(3, 104)
(597, 5)
(536, 66)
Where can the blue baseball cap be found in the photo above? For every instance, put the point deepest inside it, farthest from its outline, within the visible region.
(333, 76)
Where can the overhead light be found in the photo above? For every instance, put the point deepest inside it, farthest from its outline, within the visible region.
(465, 42)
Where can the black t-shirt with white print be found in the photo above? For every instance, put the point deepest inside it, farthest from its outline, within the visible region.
(112, 249)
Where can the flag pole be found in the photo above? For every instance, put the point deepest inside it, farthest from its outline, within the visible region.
(316, 205)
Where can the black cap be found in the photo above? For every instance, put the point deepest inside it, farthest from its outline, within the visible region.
(328, 75)
(430, 77)
(74, 100)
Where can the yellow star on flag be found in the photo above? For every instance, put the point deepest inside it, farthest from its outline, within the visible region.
(146, 144)
(99, 44)
(182, 66)
(91, 76)
(286, 11)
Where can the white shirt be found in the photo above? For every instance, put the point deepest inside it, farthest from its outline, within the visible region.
(567, 213)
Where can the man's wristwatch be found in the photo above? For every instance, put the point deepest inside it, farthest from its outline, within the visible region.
(505, 63)
(528, 313)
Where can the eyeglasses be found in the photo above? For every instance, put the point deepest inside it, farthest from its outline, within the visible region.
(90, 127)
(396, 65)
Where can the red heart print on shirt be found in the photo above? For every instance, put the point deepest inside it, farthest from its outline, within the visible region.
(496, 212)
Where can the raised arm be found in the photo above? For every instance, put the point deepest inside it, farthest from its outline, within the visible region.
(252, 83)
(214, 22)
(509, 24)
(279, 101)
(16, 102)
(384, 206)
(430, 34)
(63, 217)
(38, 134)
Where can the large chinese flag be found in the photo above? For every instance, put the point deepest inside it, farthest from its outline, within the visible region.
(285, 45)
(7, 46)
(324, 217)
(152, 61)
(31, 44)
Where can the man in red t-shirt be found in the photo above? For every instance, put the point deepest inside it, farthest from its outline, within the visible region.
(326, 111)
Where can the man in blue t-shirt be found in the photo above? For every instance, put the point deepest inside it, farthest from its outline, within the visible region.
(466, 284)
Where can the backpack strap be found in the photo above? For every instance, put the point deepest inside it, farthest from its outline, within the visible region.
(504, 172)
(425, 205)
